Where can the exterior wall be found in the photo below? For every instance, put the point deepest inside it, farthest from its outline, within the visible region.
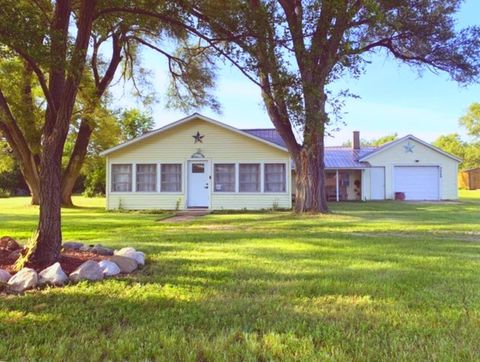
(469, 179)
(421, 156)
(176, 145)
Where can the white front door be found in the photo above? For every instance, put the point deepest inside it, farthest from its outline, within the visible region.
(417, 182)
(377, 183)
(198, 184)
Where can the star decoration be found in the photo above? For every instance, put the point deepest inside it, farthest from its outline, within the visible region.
(409, 147)
(198, 137)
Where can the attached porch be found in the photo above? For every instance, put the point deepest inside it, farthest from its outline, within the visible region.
(343, 184)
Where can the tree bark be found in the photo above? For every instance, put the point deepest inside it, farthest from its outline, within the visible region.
(76, 162)
(57, 121)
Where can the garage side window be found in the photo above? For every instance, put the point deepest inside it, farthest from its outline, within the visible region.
(146, 177)
(224, 177)
(275, 177)
(171, 177)
(249, 180)
(122, 178)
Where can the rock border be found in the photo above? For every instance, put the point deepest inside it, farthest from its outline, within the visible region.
(122, 261)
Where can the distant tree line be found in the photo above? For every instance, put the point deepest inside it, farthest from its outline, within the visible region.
(114, 127)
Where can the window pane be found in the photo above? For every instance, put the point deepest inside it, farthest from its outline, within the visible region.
(198, 168)
(224, 177)
(249, 180)
(171, 178)
(147, 178)
(275, 177)
(122, 178)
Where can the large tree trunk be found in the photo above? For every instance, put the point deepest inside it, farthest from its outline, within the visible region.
(75, 163)
(49, 235)
(63, 91)
(310, 193)
(310, 181)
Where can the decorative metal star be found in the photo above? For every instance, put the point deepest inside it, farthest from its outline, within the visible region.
(198, 137)
(409, 147)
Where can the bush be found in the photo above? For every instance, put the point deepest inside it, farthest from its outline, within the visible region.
(4, 194)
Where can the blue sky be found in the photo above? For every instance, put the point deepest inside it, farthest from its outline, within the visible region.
(394, 98)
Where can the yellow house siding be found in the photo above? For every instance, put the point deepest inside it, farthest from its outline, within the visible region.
(396, 156)
(176, 145)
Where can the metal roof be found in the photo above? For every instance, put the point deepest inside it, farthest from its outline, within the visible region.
(269, 134)
(335, 157)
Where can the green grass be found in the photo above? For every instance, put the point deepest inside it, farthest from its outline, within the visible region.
(369, 282)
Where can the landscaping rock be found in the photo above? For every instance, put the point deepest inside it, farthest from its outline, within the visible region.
(85, 248)
(126, 265)
(73, 245)
(8, 243)
(54, 275)
(109, 268)
(90, 270)
(4, 276)
(25, 279)
(132, 253)
(101, 250)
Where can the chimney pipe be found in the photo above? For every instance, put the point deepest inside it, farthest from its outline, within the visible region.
(356, 140)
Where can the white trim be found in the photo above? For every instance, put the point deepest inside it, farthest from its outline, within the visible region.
(185, 120)
(396, 142)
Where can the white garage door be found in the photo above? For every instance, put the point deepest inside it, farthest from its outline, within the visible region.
(418, 182)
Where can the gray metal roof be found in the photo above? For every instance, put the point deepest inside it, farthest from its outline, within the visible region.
(335, 157)
(346, 157)
(269, 134)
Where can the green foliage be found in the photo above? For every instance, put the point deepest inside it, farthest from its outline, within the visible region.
(471, 120)
(375, 142)
(378, 281)
(134, 123)
(469, 152)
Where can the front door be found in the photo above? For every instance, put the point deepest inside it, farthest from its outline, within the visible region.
(198, 184)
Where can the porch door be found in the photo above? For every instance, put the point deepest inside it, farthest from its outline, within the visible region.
(198, 184)
(377, 183)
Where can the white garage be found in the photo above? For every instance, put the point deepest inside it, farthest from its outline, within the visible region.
(412, 166)
(417, 182)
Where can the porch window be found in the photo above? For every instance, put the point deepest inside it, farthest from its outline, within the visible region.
(146, 177)
(249, 180)
(274, 174)
(122, 178)
(171, 177)
(224, 176)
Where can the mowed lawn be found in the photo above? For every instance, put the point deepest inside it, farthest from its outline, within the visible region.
(369, 282)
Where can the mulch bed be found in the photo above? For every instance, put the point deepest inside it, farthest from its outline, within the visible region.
(69, 260)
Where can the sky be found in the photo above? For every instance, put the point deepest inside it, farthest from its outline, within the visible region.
(394, 98)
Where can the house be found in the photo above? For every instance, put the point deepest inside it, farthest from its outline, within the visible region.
(198, 162)
(469, 179)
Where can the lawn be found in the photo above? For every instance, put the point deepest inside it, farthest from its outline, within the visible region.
(369, 282)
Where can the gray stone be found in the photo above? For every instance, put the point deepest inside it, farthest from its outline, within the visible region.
(85, 248)
(25, 279)
(126, 265)
(73, 245)
(54, 275)
(132, 253)
(90, 270)
(4, 276)
(109, 268)
(101, 250)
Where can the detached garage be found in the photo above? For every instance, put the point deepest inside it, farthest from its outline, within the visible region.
(413, 167)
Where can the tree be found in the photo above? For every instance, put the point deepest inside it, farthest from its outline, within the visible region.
(133, 123)
(293, 50)
(52, 39)
(375, 142)
(469, 152)
(471, 120)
